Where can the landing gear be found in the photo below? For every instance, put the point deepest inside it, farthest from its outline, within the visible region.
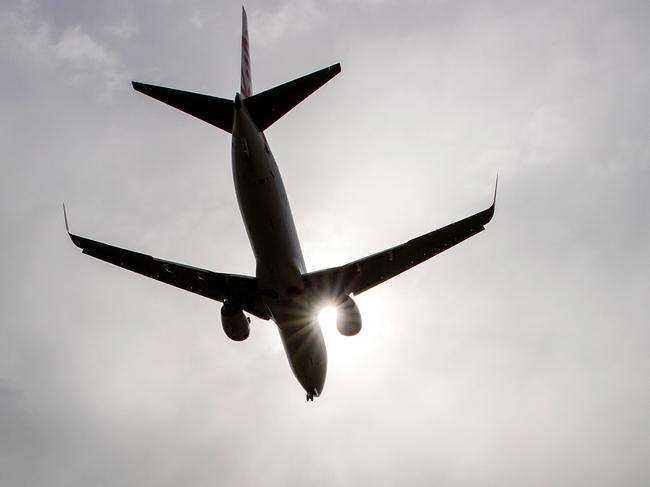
(310, 397)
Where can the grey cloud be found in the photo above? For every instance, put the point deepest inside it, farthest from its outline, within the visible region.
(519, 357)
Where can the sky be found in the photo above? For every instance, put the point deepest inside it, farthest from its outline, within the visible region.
(519, 357)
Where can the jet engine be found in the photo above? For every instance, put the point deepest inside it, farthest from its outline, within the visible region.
(235, 324)
(348, 318)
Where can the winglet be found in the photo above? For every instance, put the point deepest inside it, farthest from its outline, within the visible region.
(486, 215)
(65, 217)
(78, 241)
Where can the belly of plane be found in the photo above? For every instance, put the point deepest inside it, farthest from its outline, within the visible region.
(303, 343)
(272, 234)
(265, 209)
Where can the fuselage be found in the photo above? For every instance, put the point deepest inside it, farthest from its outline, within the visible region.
(272, 234)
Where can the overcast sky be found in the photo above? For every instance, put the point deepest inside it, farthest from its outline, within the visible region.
(520, 357)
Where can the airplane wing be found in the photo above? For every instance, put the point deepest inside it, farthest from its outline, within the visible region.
(213, 285)
(363, 274)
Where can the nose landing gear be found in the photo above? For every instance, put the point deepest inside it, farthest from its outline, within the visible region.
(311, 392)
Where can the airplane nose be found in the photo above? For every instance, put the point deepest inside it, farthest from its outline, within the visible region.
(314, 385)
(311, 393)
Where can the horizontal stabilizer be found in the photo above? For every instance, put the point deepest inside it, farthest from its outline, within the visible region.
(267, 107)
(216, 111)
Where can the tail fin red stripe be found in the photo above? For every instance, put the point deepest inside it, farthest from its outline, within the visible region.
(246, 87)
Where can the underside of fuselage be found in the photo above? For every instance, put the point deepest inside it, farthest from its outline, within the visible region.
(280, 265)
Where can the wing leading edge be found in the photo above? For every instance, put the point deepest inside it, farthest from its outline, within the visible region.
(213, 285)
(363, 274)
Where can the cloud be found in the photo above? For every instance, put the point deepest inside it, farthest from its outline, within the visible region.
(124, 28)
(517, 357)
(289, 18)
(84, 60)
(87, 59)
(196, 19)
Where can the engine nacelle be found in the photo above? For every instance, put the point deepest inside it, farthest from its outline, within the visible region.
(235, 324)
(348, 318)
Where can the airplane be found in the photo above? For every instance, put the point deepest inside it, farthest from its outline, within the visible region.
(282, 290)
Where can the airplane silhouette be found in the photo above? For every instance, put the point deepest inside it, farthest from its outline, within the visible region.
(282, 290)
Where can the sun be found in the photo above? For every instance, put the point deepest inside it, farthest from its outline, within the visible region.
(327, 318)
(338, 346)
(342, 350)
(354, 353)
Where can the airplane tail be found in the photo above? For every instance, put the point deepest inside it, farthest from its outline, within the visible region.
(264, 108)
(246, 85)
(267, 107)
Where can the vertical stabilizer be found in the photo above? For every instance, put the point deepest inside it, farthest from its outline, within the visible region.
(246, 88)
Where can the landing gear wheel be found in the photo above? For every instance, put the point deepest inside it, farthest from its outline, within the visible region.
(310, 397)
